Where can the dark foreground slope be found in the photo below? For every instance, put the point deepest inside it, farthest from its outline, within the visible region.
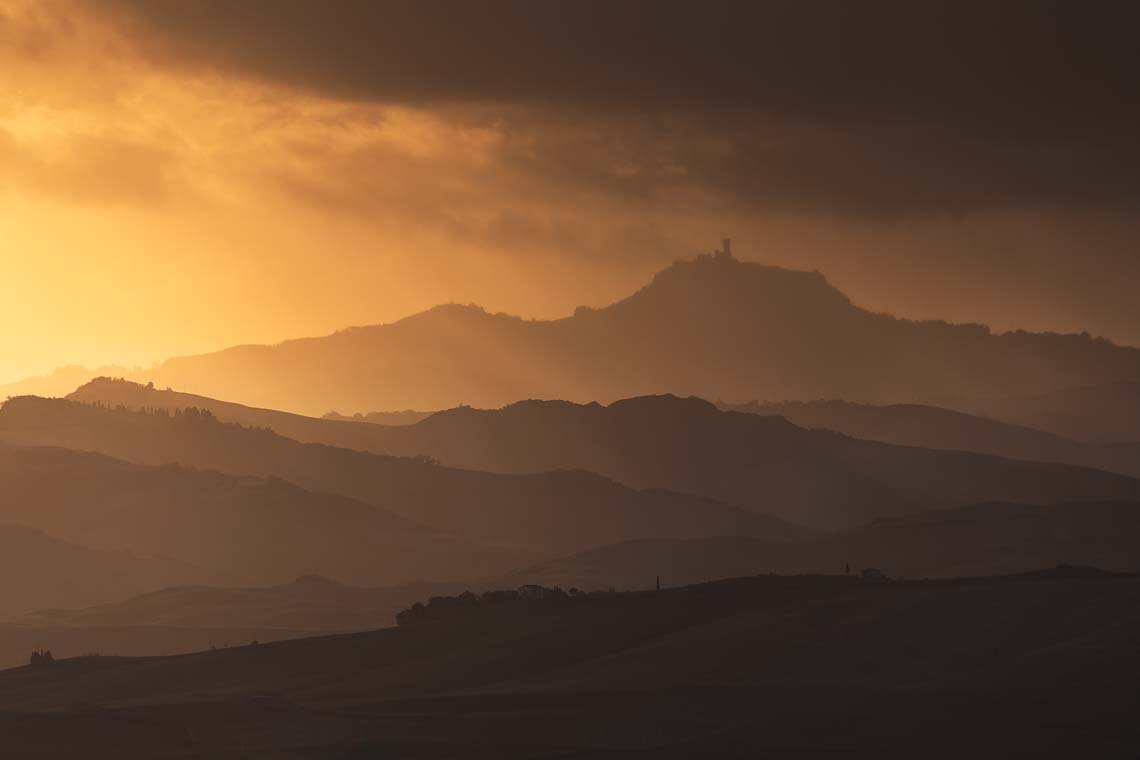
(540, 513)
(766, 464)
(803, 667)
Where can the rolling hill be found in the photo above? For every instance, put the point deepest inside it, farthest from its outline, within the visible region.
(771, 666)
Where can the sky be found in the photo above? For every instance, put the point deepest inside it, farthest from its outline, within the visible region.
(177, 177)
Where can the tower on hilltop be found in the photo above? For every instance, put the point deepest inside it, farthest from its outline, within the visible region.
(726, 250)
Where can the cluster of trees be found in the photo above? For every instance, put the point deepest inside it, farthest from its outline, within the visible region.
(42, 658)
(469, 605)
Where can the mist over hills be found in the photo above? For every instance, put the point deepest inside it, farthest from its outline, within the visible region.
(764, 463)
(971, 541)
(310, 603)
(542, 513)
(933, 427)
(1105, 414)
(60, 382)
(37, 571)
(405, 417)
(715, 327)
(238, 529)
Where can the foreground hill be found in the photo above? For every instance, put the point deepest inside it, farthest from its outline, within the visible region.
(544, 513)
(766, 464)
(936, 428)
(977, 540)
(37, 570)
(715, 327)
(240, 530)
(814, 667)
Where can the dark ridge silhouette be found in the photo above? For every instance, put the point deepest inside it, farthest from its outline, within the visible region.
(242, 530)
(539, 514)
(536, 599)
(406, 417)
(977, 540)
(679, 672)
(37, 571)
(714, 327)
(815, 478)
(936, 428)
(1107, 413)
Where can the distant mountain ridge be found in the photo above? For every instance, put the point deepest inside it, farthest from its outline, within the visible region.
(715, 327)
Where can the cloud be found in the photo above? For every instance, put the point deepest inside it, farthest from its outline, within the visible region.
(1023, 62)
(887, 109)
(87, 170)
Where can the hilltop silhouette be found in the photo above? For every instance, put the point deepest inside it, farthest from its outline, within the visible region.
(715, 327)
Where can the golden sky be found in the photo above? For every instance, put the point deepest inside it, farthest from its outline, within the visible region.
(159, 197)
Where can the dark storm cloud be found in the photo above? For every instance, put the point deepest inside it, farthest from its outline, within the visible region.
(1041, 65)
(880, 108)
